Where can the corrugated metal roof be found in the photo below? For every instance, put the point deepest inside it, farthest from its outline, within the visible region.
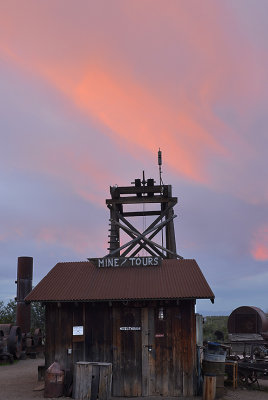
(83, 281)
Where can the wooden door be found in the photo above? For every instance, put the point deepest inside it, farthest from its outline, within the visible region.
(168, 368)
(127, 355)
(161, 353)
(98, 345)
(146, 352)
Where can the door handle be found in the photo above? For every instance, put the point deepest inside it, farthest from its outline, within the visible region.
(150, 348)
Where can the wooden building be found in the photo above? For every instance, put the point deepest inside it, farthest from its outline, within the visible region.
(137, 313)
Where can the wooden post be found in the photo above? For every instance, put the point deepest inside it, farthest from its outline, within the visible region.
(82, 380)
(209, 388)
(145, 352)
(105, 381)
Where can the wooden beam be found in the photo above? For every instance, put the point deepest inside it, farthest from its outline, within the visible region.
(141, 213)
(152, 227)
(161, 216)
(158, 253)
(134, 237)
(148, 241)
(151, 237)
(134, 231)
(170, 233)
(137, 189)
(142, 246)
(144, 199)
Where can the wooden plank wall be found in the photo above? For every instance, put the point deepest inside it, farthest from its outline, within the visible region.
(127, 358)
(58, 335)
(77, 318)
(98, 340)
(159, 359)
(168, 374)
(188, 344)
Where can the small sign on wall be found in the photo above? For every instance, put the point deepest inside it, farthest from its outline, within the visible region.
(130, 328)
(159, 335)
(78, 330)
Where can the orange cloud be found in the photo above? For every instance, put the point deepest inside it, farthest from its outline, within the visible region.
(109, 92)
(135, 114)
(260, 252)
(151, 87)
(260, 244)
(142, 118)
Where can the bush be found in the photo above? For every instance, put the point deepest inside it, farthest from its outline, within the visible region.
(8, 314)
(214, 324)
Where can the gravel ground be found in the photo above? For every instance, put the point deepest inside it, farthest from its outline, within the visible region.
(20, 381)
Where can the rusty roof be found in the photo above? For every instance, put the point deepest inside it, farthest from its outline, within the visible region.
(83, 281)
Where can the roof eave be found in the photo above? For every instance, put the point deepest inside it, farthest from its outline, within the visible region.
(119, 299)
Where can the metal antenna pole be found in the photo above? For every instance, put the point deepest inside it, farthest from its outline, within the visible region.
(161, 181)
(160, 166)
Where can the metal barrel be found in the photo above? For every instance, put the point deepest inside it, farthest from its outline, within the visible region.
(24, 287)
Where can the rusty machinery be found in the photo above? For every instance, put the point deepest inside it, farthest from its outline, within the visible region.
(248, 340)
(10, 342)
(16, 340)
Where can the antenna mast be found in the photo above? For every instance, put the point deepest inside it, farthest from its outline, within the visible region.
(160, 166)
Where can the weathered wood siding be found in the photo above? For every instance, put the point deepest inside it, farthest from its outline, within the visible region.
(58, 334)
(159, 358)
(127, 365)
(188, 345)
(98, 331)
(168, 371)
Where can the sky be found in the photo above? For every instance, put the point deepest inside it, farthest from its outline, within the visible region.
(90, 90)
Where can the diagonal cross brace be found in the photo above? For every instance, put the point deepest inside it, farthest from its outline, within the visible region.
(133, 236)
(142, 236)
(142, 246)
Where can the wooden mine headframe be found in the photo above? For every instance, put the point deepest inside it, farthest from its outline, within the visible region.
(143, 192)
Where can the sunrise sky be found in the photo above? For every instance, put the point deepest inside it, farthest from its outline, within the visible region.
(91, 89)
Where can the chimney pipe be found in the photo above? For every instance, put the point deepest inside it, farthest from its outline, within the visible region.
(24, 287)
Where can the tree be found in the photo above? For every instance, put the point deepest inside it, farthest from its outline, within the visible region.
(38, 316)
(8, 312)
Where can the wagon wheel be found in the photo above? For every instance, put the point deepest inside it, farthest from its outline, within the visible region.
(14, 341)
(248, 379)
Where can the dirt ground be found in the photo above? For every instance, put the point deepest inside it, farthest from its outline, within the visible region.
(20, 382)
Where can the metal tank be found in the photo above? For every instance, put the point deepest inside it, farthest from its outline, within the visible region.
(249, 320)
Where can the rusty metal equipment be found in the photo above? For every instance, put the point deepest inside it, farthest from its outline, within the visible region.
(24, 287)
(17, 340)
(248, 331)
(10, 341)
(248, 320)
(14, 344)
(33, 343)
(248, 340)
(4, 354)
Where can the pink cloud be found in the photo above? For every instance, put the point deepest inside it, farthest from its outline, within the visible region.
(259, 249)
(73, 238)
(168, 100)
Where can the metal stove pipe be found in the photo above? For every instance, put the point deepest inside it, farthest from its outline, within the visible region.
(24, 287)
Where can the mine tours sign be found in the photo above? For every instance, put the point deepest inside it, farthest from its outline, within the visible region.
(126, 261)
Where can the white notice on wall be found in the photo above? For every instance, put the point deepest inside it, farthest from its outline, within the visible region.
(78, 330)
(130, 328)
